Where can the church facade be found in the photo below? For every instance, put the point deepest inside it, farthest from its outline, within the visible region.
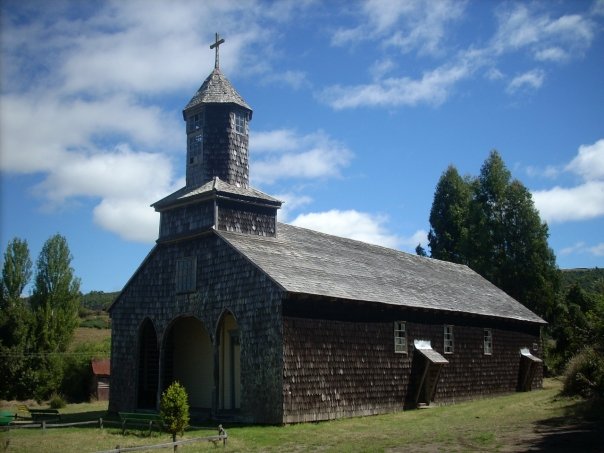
(264, 322)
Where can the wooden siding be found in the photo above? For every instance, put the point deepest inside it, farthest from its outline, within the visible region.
(225, 152)
(187, 219)
(247, 218)
(225, 281)
(339, 358)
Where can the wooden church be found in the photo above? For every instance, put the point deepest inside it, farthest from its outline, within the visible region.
(264, 322)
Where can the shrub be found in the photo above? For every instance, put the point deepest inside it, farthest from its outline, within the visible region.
(57, 401)
(584, 374)
(174, 410)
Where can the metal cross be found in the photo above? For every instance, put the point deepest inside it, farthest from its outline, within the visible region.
(215, 45)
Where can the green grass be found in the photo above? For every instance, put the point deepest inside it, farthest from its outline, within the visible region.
(506, 423)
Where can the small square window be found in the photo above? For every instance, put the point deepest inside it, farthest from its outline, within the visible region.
(488, 341)
(448, 346)
(400, 337)
(186, 273)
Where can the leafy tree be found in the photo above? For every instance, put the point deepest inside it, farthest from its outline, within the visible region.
(491, 224)
(15, 320)
(174, 410)
(56, 296)
(449, 217)
(420, 251)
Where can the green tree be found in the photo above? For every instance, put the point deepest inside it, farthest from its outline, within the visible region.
(491, 224)
(174, 410)
(55, 303)
(420, 251)
(15, 321)
(56, 296)
(449, 216)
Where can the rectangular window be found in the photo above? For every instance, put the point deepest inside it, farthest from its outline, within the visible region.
(195, 149)
(448, 340)
(240, 123)
(186, 273)
(400, 337)
(195, 122)
(488, 341)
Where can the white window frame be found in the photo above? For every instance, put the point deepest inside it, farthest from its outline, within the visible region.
(448, 346)
(240, 122)
(185, 275)
(400, 337)
(488, 342)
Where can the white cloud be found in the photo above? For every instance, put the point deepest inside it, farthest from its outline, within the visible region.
(531, 79)
(589, 163)
(582, 202)
(433, 88)
(583, 248)
(597, 250)
(551, 54)
(410, 25)
(350, 224)
(290, 155)
(522, 28)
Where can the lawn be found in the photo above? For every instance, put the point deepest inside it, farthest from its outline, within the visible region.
(534, 421)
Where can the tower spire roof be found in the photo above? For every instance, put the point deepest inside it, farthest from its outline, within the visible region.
(216, 88)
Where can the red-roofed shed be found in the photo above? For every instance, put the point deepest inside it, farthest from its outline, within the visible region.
(101, 372)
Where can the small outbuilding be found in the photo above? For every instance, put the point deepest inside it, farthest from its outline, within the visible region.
(101, 374)
(265, 322)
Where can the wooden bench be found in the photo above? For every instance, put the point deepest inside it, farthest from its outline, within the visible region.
(38, 415)
(139, 418)
(6, 418)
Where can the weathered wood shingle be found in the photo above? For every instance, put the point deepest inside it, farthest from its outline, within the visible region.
(308, 262)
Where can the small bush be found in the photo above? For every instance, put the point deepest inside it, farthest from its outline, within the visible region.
(57, 401)
(584, 374)
(174, 409)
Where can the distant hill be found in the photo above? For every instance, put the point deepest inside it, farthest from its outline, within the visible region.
(98, 300)
(590, 280)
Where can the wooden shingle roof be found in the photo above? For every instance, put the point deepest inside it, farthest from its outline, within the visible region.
(212, 188)
(303, 261)
(216, 89)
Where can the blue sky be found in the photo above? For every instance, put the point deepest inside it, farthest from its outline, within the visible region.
(358, 109)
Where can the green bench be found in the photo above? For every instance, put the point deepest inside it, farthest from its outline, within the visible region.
(140, 418)
(39, 415)
(6, 418)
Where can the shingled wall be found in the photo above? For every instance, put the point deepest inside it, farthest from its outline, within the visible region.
(339, 358)
(247, 219)
(225, 152)
(225, 281)
(186, 219)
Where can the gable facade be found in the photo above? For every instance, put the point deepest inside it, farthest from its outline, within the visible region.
(267, 323)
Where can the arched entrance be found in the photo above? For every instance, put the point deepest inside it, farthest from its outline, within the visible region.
(148, 366)
(188, 358)
(229, 363)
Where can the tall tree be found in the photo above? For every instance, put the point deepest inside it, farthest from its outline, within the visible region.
(15, 322)
(16, 273)
(449, 216)
(491, 225)
(56, 296)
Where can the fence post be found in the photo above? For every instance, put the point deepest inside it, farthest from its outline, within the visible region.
(43, 424)
(101, 422)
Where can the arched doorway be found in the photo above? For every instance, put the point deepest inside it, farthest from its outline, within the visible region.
(148, 366)
(229, 363)
(188, 358)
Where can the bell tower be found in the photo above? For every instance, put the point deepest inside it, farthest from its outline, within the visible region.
(217, 195)
(217, 120)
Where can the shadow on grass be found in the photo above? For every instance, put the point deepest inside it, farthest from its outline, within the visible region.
(580, 429)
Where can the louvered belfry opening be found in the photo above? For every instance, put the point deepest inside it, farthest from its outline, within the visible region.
(148, 367)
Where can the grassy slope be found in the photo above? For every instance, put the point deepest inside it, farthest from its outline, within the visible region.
(514, 422)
